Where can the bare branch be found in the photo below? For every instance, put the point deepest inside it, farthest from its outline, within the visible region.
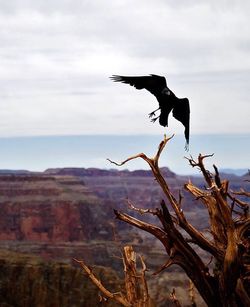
(141, 155)
(118, 297)
(241, 192)
(217, 177)
(206, 174)
(228, 234)
(166, 265)
(174, 298)
(180, 199)
(160, 148)
(154, 230)
(241, 203)
(151, 161)
(145, 293)
(242, 293)
(140, 210)
(129, 259)
(191, 293)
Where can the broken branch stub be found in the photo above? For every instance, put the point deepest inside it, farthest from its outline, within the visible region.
(135, 292)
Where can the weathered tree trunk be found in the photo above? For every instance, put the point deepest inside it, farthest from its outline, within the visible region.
(135, 282)
(135, 292)
(228, 285)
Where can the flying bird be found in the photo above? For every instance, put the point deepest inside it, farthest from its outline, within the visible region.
(157, 85)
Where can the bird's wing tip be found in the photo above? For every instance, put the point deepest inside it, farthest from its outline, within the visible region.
(115, 78)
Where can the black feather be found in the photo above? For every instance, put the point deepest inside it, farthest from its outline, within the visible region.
(168, 102)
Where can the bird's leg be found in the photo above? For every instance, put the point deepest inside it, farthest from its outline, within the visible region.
(153, 113)
(154, 119)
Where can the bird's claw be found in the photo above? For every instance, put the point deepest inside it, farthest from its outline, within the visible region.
(151, 114)
(153, 119)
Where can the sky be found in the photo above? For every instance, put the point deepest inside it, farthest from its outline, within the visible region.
(41, 153)
(56, 58)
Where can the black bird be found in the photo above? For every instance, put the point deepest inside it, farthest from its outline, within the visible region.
(157, 86)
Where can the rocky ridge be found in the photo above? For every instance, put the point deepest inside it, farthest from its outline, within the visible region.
(66, 213)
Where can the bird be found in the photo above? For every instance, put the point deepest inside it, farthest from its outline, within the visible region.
(157, 85)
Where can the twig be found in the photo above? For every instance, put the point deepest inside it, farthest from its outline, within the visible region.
(141, 155)
(140, 210)
(166, 265)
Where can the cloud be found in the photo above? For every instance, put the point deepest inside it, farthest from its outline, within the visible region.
(56, 58)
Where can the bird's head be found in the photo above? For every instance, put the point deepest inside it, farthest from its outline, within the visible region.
(166, 91)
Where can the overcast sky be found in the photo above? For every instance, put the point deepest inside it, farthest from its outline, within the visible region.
(56, 57)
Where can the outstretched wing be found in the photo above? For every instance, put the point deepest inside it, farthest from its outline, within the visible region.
(181, 112)
(153, 83)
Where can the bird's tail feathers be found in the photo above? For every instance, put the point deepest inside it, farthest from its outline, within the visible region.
(186, 133)
(187, 146)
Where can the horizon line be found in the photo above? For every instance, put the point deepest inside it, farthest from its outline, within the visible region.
(121, 135)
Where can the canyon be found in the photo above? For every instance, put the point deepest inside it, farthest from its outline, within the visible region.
(48, 218)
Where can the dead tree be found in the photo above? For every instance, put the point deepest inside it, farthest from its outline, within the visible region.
(135, 292)
(228, 284)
